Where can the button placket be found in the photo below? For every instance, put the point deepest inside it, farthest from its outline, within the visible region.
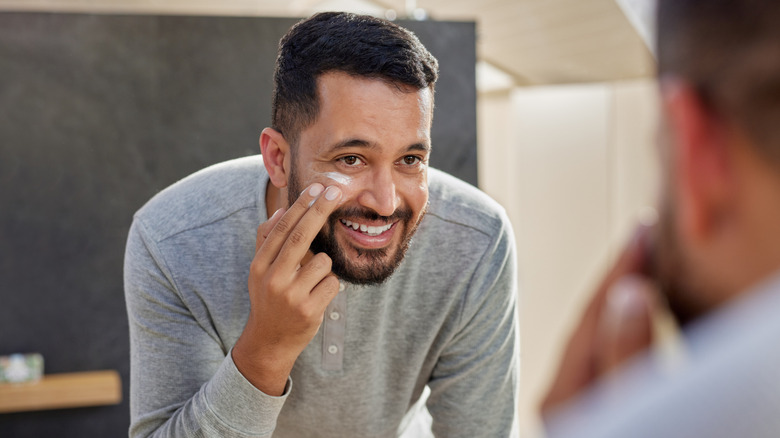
(334, 332)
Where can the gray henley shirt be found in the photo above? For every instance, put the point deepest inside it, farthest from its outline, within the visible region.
(445, 320)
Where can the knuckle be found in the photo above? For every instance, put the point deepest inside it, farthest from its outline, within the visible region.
(275, 285)
(320, 209)
(256, 269)
(297, 236)
(284, 225)
(328, 286)
(288, 300)
(311, 313)
(330, 283)
(321, 261)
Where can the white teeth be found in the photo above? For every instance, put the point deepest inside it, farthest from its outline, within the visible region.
(371, 231)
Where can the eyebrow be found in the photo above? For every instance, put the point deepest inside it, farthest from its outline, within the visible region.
(360, 143)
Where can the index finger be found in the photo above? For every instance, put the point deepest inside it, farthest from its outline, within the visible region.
(298, 242)
(626, 327)
(287, 228)
(634, 259)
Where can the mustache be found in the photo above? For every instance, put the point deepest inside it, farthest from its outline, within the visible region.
(400, 214)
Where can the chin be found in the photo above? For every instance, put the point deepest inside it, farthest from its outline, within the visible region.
(358, 265)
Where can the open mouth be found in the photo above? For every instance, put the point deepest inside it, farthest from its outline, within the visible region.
(368, 230)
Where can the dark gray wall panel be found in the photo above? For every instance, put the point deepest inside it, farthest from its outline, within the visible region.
(97, 114)
(454, 131)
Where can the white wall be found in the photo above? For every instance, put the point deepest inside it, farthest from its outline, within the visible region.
(573, 165)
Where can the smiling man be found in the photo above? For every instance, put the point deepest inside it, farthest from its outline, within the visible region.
(334, 286)
(350, 138)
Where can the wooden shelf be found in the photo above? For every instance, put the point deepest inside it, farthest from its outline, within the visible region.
(57, 391)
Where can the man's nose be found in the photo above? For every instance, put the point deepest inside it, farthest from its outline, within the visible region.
(380, 194)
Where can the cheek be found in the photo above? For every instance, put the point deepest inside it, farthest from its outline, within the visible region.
(415, 194)
(347, 184)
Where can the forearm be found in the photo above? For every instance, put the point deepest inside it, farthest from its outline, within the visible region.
(183, 381)
(226, 406)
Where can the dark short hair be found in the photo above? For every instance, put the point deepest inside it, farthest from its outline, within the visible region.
(730, 51)
(358, 45)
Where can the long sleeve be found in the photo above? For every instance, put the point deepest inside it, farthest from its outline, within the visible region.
(474, 383)
(445, 319)
(183, 379)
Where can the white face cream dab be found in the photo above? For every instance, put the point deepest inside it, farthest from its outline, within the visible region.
(340, 178)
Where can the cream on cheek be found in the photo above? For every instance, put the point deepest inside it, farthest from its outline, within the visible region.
(344, 182)
(339, 178)
(414, 190)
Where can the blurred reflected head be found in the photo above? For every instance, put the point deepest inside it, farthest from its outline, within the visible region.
(726, 53)
(729, 50)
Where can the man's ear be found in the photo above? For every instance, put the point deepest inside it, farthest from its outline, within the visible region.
(276, 156)
(701, 166)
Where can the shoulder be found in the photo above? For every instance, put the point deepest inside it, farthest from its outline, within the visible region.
(460, 204)
(463, 230)
(205, 197)
(725, 384)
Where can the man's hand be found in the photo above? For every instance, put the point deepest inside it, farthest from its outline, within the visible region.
(616, 325)
(289, 289)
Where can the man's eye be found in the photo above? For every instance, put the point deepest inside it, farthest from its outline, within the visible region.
(411, 160)
(351, 160)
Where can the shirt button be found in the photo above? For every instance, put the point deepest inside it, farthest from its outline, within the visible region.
(333, 349)
(334, 315)
(341, 286)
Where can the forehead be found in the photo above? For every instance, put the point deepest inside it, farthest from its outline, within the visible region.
(340, 85)
(371, 110)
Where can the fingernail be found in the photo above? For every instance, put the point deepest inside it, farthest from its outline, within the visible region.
(626, 299)
(276, 213)
(316, 189)
(332, 193)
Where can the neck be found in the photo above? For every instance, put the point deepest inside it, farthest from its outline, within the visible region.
(274, 199)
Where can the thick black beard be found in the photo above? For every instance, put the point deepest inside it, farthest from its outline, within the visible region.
(378, 268)
(379, 265)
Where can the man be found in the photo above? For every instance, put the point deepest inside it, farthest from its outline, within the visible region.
(715, 253)
(375, 281)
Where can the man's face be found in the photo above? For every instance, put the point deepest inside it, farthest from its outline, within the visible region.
(373, 140)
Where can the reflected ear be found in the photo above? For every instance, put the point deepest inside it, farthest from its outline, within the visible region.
(276, 156)
(699, 160)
